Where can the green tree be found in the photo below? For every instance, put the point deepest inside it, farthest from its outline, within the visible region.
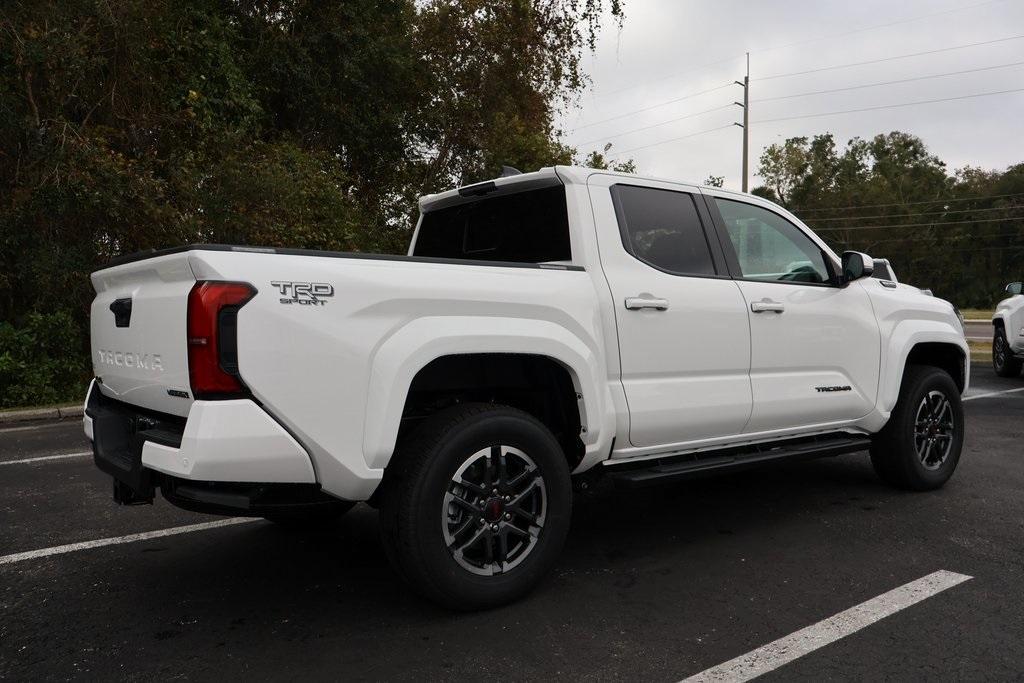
(598, 160)
(146, 124)
(959, 234)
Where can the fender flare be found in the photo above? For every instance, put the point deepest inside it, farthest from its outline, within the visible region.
(410, 348)
(904, 337)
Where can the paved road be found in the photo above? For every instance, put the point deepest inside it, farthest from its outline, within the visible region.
(654, 585)
(979, 331)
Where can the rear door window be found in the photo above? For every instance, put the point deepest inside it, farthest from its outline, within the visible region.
(663, 229)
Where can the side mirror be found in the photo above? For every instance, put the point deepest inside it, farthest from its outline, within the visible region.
(1014, 288)
(856, 265)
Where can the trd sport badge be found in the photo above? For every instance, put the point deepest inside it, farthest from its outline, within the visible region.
(304, 293)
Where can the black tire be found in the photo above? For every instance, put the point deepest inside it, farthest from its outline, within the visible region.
(1003, 361)
(425, 512)
(316, 516)
(900, 453)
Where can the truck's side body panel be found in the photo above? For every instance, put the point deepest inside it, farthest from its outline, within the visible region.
(685, 368)
(337, 374)
(907, 318)
(815, 363)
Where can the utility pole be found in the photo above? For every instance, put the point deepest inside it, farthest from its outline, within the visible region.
(746, 123)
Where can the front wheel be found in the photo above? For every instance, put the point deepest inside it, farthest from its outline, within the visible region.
(919, 448)
(476, 506)
(1003, 360)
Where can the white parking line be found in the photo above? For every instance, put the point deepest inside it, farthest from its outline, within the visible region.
(62, 456)
(30, 428)
(785, 650)
(993, 393)
(118, 540)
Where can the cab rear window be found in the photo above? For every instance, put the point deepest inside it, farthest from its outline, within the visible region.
(525, 227)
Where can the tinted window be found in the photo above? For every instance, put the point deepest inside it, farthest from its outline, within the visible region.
(525, 227)
(769, 247)
(662, 228)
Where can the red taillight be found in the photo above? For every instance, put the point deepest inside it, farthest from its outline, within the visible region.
(212, 337)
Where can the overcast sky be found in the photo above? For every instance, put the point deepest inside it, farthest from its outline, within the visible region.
(668, 49)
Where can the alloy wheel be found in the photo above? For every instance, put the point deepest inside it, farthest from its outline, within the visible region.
(934, 427)
(494, 510)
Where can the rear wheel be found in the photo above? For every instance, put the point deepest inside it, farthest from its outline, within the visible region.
(919, 447)
(1003, 361)
(476, 506)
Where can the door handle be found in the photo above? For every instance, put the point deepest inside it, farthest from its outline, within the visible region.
(635, 303)
(766, 305)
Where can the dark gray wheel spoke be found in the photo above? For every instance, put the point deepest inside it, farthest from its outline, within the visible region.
(503, 544)
(498, 461)
(524, 514)
(521, 478)
(461, 502)
(482, 533)
(472, 486)
(467, 525)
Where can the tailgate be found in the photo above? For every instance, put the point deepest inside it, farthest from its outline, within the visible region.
(138, 329)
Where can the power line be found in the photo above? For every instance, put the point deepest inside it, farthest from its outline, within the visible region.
(930, 201)
(654, 106)
(876, 26)
(889, 106)
(889, 59)
(986, 249)
(921, 239)
(669, 77)
(902, 80)
(918, 225)
(917, 215)
(682, 137)
(655, 125)
(814, 40)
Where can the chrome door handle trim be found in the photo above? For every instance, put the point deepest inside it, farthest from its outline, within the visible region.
(636, 303)
(766, 305)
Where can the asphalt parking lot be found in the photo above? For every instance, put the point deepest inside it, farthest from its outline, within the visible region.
(655, 585)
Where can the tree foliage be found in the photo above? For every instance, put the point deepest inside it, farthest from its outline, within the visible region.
(960, 234)
(150, 123)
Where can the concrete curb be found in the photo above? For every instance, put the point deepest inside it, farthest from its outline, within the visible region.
(58, 413)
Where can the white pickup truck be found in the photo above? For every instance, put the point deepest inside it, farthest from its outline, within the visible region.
(547, 328)
(1008, 332)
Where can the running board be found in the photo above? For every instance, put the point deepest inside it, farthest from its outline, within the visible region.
(663, 470)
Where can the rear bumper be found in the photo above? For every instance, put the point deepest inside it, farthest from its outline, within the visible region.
(226, 456)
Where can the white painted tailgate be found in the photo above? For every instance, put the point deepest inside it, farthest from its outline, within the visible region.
(140, 363)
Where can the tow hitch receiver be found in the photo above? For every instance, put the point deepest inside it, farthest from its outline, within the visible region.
(126, 495)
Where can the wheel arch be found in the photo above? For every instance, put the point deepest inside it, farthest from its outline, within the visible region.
(945, 356)
(424, 355)
(922, 343)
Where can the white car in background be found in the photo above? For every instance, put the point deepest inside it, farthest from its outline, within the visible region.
(1008, 333)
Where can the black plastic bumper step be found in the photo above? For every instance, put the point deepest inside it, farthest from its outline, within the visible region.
(663, 470)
